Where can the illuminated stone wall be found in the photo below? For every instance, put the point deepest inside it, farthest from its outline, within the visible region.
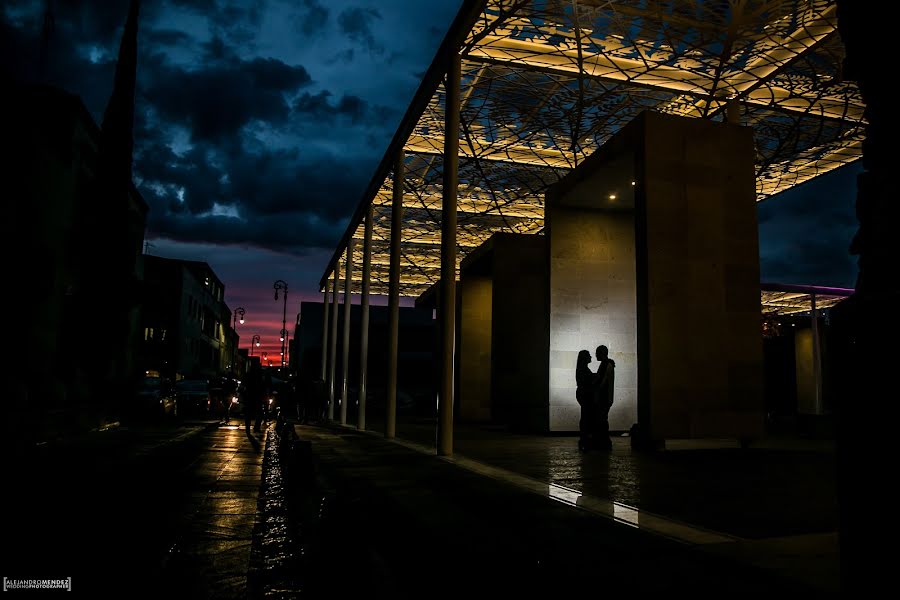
(592, 302)
(475, 349)
(806, 374)
(653, 251)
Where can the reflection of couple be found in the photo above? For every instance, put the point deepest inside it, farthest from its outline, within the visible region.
(595, 395)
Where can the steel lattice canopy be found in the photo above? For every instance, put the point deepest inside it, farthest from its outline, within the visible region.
(783, 300)
(546, 82)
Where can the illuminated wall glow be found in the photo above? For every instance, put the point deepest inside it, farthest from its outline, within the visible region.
(475, 348)
(592, 302)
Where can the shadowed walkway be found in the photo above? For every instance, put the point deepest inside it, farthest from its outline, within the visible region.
(402, 517)
(211, 555)
(775, 502)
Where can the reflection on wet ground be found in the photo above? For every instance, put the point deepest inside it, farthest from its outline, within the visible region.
(772, 489)
(773, 505)
(211, 555)
(407, 516)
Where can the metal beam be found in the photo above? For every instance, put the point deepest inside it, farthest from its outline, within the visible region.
(345, 354)
(390, 427)
(364, 321)
(447, 306)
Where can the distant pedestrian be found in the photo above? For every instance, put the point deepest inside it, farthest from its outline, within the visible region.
(605, 386)
(254, 394)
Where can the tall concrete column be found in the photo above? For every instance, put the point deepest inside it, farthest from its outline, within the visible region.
(324, 363)
(332, 343)
(390, 425)
(345, 346)
(364, 320)
(447, 305)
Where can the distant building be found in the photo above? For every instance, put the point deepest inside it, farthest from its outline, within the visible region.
(185, 323)
(416, 393)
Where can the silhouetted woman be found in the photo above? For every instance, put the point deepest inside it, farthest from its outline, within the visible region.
(585, 394)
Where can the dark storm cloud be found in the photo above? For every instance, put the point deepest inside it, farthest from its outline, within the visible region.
(254, 183)
(293, 233)
(218, 101)
(236, 20)
(356, 22)
(303, 203)
(345, 56)
(351, 107)
(311, 17)
(235, 141)
(166, 37)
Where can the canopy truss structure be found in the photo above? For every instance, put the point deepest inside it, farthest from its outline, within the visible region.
(784, 300)
(546, 82)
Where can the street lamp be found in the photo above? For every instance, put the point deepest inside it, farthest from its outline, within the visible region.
(282, 285)
(238, 312)
(254, 341)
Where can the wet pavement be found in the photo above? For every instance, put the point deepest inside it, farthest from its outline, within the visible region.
(401, 521)
(137, 512)
(210, 556)
(778, 487)
(200, 511)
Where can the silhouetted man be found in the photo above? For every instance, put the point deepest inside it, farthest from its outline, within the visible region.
(606, 379)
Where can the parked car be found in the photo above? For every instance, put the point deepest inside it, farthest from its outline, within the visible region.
(193, 397)
(156, 398)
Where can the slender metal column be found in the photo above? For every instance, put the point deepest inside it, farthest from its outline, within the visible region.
(390, 426)
(364, 320)
(345, 347)
(447, 306)
(332, 343)
(324, 363)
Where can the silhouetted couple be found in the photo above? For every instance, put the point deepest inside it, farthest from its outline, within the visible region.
(595, 396)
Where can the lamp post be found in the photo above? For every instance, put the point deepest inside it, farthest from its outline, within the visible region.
(238, 313)
(265, 357)
(254, 342)
(284, 342)
(282, 285)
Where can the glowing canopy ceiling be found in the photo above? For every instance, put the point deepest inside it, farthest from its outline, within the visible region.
(545, 82)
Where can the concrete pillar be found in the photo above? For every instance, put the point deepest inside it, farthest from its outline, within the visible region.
(332, 343)
(364, 320)
(345, 345)
(390, 426)
(816, 358)
(733, 111)
(447, 305)
(324, 363)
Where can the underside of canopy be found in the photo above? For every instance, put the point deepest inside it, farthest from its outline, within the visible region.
(546, 82)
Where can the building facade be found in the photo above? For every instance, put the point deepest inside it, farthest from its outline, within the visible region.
(76, 316)
(185, 323)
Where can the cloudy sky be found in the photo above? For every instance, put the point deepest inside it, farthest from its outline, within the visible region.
(259, 123)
